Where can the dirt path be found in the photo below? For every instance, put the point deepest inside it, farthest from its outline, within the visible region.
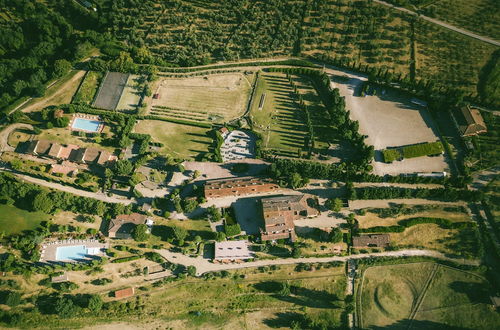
(61, 90)
(441, 23)
(99, 196)
(203, 265)
(4, 135)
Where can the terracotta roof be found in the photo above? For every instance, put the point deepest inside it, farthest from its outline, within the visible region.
(54, 150)
(124, 293)
(56, 168)
(103, 157)
(123, 219)
(474, 123)
(278, 209)
(91, 155)
(375, 240)
(42, 147)
(66, 151)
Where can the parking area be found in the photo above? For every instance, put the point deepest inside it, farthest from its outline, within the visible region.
(389, 119)
(238, 145)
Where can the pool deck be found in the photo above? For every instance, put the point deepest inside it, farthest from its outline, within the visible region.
(87, 117)
(49, 249)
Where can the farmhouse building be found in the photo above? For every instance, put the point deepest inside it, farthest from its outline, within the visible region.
(239, 187)
(63, 169)
(373, 240)
(280, 212)
(122, 225)
(469, 121)
(232, 251)
(44, 148)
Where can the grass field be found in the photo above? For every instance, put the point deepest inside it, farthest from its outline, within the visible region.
(424, 149)
(131, 94)
(390, 294)
(14, 220)
(211, 98)
(280, 120)
(178, 140)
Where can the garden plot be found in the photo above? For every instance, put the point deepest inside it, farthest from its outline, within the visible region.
(389, 119)
(210, 98)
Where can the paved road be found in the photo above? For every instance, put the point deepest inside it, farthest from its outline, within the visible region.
(68, 189)
(203, 265)
(441, 23)
(4, 135)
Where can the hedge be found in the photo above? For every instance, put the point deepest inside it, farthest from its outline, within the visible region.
(391, 155)
(118, 261)
(424, 149)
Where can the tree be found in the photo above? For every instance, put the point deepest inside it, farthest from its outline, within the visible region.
(296, 180)
(335, 235)
(180, 233)
(191, 270)
(13, 299)
(61, 67)
(334, 204)
(140, 233)
(42, 202)
(285, 289)
(220, 236)
(123, 167)
(95, 303)
(232, 230)
(65, 308)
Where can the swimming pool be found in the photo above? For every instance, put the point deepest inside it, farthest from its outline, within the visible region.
(86, 124)
(73, 252)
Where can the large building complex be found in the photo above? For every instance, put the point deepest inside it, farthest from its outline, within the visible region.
(239, 187)
(280, 212)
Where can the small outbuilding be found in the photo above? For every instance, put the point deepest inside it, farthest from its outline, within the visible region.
(371, 240)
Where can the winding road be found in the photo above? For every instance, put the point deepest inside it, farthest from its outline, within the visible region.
(441, 23)
(4, 135)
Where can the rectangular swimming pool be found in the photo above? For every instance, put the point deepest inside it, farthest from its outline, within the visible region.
(74, 252)
(86, 124)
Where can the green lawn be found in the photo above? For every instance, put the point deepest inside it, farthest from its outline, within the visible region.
(423, 149)
(178, 140)
(14, 220)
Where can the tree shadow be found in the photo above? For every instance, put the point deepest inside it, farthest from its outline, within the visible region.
(284, 320)
(477, 293)
(416, 324)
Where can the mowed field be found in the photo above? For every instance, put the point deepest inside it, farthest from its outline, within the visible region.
(431, 294)
(211, 98)
(280, 120)
(178, 140)
(14, 220)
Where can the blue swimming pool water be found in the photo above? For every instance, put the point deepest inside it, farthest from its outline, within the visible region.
(86, 124)
(71, 252)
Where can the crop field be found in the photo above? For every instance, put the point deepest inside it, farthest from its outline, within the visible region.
(428, 295)
(280, 120)
(14, 220)
(178, 140)
(211, 98)
(450, 58)
(480, 16)
(88, 88)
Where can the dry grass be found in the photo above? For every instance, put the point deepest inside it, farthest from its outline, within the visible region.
(178, 140)
(215, 97)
